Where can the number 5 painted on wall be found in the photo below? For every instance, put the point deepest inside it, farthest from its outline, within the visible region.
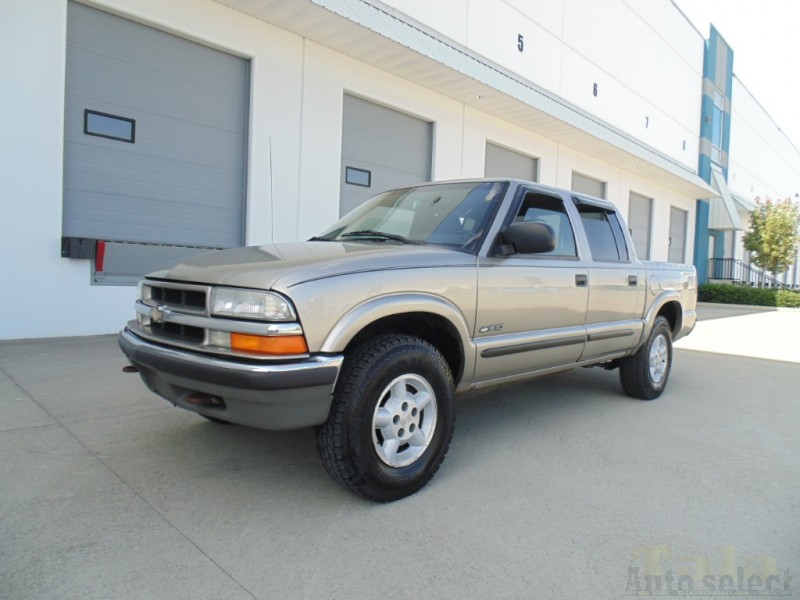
(520, 42)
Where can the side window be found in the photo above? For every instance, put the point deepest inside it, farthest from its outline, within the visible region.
(604, 232)
(550, 210)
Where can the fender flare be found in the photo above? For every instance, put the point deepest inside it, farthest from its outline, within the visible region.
(374, 309)
(658, 303)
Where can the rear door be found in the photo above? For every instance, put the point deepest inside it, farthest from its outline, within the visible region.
(531, 308)
(616, 282)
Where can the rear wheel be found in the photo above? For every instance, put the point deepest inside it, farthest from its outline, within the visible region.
(391, 420)
(644, 375)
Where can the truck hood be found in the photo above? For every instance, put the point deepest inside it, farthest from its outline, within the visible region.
(281, 266)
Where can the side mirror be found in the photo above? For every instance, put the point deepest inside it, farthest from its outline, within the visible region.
(528, 237)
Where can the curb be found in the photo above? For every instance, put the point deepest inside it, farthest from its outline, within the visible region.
(753, 307)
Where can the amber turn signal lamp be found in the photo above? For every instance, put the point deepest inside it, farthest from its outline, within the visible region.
(259, 344)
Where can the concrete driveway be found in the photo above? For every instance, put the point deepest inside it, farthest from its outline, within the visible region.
(559, 488)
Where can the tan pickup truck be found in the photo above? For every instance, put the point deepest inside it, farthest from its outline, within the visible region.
(369, 330)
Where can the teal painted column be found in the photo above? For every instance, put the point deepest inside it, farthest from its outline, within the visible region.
(717, 80)
(701, 241)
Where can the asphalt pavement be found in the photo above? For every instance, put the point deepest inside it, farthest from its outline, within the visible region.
(558, 488)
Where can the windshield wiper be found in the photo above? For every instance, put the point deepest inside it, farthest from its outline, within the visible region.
(379, 234)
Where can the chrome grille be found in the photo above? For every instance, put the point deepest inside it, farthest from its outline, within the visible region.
(178, 298)
(192, 299)
(179, 331)
(179, 314)
(183, 302)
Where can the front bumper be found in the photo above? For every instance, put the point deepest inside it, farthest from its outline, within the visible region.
(263, 395)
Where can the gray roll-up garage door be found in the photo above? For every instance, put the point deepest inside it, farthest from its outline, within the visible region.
(677, 235)
(640, 214)
(155, 140)
(381, 149)
(584, 184)
(502, 162)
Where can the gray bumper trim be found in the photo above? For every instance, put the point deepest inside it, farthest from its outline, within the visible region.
(311, 372)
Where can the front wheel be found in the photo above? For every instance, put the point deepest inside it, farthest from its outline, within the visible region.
(391, 419)
(644, 375)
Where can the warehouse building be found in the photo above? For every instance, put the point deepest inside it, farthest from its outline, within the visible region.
(139, 131)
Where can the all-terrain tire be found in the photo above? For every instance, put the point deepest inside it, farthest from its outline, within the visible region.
(391, 420)
(644, 374)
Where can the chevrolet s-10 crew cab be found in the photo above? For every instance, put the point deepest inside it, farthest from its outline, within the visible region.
(369, 330)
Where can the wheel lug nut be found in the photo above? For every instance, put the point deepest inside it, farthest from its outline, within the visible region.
(396, 420)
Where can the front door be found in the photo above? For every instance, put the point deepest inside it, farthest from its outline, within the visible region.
(531, 308)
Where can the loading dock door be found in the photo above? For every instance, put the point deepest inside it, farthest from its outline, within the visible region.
(154, 141)
(381, 149)
(640, 215)
(502, 162)
(677, 235)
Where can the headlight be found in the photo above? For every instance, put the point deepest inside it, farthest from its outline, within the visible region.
(250, 304)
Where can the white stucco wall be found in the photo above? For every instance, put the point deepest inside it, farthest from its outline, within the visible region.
(645, 57)
(43, 294)
(763, 161)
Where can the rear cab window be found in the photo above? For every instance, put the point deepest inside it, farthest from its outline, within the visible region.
(604, 233)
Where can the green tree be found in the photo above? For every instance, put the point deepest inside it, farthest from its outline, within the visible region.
(773, 234)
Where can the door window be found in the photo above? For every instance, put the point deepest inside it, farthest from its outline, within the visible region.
(550, 210)
(604, 232)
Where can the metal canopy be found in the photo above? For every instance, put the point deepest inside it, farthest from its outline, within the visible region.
(723, 215)
(742, 203)
(380, 36)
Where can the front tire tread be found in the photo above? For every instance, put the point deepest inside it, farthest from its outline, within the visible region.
(340, 439)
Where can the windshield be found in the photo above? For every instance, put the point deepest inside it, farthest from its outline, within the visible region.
(448, 214)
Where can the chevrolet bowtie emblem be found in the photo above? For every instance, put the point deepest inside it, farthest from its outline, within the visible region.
(157, 315)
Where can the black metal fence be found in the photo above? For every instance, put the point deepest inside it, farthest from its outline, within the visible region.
(734, 270)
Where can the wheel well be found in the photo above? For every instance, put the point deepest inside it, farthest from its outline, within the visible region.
(672, 312)
(434, 329)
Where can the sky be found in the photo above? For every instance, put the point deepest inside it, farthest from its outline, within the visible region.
(766, 50)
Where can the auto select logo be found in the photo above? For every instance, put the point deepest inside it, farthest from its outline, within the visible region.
(655, 573)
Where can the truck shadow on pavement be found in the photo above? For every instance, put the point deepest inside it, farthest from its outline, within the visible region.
(527, 432)
(283, 466)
